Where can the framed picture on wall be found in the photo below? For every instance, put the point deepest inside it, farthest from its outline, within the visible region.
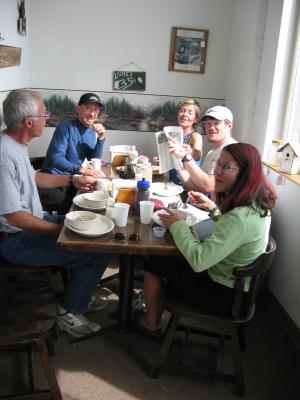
(188, 50)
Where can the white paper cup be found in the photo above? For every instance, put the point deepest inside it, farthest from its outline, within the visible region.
(102, 184)
(146, 211)
(121, 211)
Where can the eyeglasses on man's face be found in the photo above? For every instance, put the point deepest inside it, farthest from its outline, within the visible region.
(46, 115)
(226, 168)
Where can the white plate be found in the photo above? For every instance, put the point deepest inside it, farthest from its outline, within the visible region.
(79, 202)
(190, 220)
(172, 189)
(102, 226)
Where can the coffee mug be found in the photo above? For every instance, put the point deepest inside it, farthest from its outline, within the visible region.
(95, 163)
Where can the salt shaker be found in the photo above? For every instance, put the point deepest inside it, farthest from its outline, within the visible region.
(110, 208)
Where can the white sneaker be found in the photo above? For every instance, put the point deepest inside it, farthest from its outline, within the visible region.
(76, 325)
(98, 302)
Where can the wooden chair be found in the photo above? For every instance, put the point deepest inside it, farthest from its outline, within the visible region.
(27, 318)
(232, 328)
(13, 272)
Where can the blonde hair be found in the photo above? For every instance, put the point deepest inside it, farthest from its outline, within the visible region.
(194, 103)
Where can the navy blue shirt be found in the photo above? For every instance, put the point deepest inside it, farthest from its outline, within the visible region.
(71, 143)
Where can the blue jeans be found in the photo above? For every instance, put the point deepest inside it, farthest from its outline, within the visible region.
(85, 269)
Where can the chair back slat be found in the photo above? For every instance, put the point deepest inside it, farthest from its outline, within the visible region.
(257, 270)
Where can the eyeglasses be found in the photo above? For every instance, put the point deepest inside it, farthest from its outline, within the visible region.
(133, 237)
(46, 115)
(226, 168)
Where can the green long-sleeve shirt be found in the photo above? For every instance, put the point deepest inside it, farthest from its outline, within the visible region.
(239, 237)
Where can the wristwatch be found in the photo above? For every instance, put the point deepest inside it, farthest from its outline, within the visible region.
(187, 157)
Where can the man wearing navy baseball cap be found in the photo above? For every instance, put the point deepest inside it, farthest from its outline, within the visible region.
(73, 142)
(90, 98)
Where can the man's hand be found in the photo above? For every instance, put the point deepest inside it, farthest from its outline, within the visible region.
(187, 148)
(91, 172)
(84, 183)
(100, 130)
(177, 150)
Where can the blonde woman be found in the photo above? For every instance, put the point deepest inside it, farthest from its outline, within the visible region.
(188, 115)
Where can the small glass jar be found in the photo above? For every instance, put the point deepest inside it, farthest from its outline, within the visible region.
(110, 208)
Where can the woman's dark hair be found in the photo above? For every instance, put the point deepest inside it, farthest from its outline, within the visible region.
(252, 188)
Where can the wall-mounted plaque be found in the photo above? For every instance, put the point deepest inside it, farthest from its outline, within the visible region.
(10, 56)
(129, 80)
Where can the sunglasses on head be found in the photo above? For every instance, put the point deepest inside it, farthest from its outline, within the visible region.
(133, 237)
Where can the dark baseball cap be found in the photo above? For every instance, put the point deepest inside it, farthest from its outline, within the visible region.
(90, 98)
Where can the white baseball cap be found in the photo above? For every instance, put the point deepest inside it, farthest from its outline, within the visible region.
(218, 112)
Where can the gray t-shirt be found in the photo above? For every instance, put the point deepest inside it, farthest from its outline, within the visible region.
(18, 190)
(214, 154)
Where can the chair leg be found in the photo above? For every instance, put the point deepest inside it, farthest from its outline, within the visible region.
(29, 354)
(170, 332)
(242, 341)
(220, 356)
(237, 364)
(183, 347)
(49, 371)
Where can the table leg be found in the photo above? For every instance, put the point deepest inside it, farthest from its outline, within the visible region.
(125, 291)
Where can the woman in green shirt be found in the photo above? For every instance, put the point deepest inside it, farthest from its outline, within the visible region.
(204, 275)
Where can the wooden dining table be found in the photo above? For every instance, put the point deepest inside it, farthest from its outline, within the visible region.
(126, 249)
(147, 245)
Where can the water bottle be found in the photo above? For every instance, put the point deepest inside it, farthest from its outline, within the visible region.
(142, 193)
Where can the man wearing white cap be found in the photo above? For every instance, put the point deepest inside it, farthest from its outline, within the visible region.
(218, 125)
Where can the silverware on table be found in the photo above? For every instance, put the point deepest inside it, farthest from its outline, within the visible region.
(184, 205)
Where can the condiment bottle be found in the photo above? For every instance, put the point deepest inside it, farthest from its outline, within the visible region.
(142, 193)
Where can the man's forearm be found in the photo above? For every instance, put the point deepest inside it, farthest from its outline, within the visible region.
(50, 181)
(28, 222)
(194, 178)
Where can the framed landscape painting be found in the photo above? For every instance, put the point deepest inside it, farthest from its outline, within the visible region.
(188, 50)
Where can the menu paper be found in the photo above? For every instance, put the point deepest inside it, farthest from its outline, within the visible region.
(166, 160)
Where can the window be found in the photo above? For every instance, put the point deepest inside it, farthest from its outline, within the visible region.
(291, 126)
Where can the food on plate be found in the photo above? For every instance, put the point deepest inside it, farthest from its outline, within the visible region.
(158, 204)
(142, 159)
(82, 218)
(155, 169)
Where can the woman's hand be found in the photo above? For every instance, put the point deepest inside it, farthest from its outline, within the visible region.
(201, 200)
(170, 218)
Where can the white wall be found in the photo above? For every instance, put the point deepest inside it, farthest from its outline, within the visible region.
(71, 54)
(78, 47)
(18, 76)
(284, 279)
